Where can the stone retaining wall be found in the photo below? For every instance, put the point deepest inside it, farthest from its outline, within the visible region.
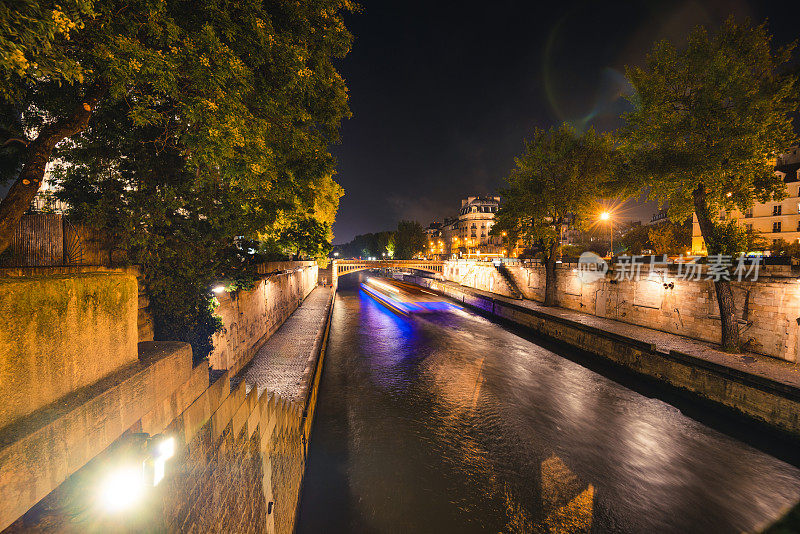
(249, 318)
(240, 457)
(769, 308)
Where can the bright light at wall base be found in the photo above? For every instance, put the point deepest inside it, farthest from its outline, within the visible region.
(125, 486)
(218, 289)
(122, 488)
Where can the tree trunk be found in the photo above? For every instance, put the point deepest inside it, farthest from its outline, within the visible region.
(550, 282)
(727, 307)
(25, 187)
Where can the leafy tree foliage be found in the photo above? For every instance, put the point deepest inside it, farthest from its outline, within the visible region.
(192, 132)
(404, 243)
(670, 238)
(709, 119)
(409, 240)
(635, 239)
(784, 248)
(559, 178)
(390, 247)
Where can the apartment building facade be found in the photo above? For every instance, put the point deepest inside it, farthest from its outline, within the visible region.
(775, 221)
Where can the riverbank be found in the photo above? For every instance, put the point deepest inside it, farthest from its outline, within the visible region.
(759, 387)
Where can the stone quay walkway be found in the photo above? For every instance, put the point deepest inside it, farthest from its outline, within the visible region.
(285, 364)
(755, 365)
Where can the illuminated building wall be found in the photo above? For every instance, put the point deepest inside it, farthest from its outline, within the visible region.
(467, 235)
(775, 221)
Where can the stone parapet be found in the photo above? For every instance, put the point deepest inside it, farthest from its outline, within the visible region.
(41, 450)
(250, 317)
(64, 328)
(240, 451)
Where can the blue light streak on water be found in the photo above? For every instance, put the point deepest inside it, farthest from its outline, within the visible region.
(388, 300)
(379, 315)
(408, 307)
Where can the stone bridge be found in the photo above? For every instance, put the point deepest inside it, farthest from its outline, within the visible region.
(340, 267)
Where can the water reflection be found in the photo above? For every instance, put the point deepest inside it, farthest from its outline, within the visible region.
(449, 423)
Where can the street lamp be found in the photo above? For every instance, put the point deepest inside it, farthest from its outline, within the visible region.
(606, 216)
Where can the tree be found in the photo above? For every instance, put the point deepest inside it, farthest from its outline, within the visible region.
(708, 120)
(559, 178)
(670, 238)
(390, 246)
(786, 249)
(635, 238)
(189, 131)
(306, 238)
(409, 240)
(246, 93)
(368, 245)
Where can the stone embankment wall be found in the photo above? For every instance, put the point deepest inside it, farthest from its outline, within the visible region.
(250, 317)
(239, 458)
(769, 308)
(766, 400)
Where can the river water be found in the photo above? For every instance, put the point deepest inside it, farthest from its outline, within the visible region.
(452, 423)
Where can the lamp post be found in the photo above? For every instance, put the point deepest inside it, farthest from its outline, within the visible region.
(606, 216)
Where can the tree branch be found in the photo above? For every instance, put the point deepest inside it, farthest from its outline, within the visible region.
(39, 151)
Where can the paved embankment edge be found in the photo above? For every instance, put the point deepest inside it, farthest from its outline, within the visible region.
(310, 387)
(769, 401)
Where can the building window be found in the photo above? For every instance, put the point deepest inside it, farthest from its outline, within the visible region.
(776, 227)
(776, 210)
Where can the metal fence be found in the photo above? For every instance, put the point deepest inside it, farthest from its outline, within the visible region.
(50, 239)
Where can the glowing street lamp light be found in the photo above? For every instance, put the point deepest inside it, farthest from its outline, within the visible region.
(606, 216)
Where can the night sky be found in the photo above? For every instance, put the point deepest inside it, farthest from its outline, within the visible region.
(443, 93)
